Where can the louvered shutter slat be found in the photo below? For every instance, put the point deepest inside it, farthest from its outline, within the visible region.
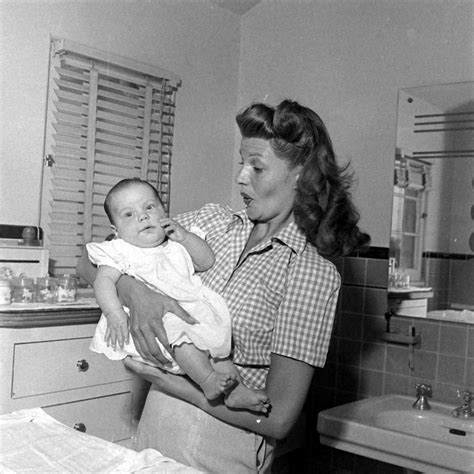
(61, 217)
(61, 242)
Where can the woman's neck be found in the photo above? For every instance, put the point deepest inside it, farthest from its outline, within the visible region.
(262, 231)
(267, 229)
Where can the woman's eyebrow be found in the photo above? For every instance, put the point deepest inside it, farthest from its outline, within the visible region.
(254, 154)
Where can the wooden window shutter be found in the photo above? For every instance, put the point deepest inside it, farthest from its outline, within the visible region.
(108, 118)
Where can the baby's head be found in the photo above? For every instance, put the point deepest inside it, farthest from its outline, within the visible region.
(134, 209)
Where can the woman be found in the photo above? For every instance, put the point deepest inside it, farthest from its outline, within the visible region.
(281, 293)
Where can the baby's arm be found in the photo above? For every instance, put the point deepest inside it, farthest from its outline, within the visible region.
(106, 295)
(201, 253)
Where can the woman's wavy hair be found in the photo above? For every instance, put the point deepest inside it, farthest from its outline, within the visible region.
(323, 207)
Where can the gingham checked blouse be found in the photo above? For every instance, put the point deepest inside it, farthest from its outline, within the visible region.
(282, 297)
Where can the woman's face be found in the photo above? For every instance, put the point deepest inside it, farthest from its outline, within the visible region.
(267, 184)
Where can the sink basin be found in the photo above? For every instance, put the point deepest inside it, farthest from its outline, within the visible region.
(389, 429)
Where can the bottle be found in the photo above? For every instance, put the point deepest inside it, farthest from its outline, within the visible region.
(67, 287)
(5, 291)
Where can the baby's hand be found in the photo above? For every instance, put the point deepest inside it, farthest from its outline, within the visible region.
(173, 230)
(118, 329)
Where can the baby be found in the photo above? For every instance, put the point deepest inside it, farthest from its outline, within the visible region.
(161, 253)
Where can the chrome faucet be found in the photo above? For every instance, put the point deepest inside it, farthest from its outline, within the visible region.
(465, 409)
(423, 392)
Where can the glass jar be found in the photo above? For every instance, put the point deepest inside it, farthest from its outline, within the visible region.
(23, 290)
(5, 291)
(67, 287)
(46, 290)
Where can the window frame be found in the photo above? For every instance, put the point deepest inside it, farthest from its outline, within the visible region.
(411, 185)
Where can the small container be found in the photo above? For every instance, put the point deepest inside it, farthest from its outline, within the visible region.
(28, 235)
(23, 290)
(5, 291)
(405, 280)
(46, 290)
(67, 288)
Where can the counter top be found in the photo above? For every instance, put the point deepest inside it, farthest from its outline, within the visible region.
(29, 315)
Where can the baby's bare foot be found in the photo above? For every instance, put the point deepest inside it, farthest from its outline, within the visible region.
(217, 383)
(245, 398)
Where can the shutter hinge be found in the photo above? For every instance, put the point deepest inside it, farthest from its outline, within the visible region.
(49, 161)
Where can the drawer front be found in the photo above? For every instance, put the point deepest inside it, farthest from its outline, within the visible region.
(108, 417)
(66, 364)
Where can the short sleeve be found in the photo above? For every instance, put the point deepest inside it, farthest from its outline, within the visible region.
(206, 219)
(106, 253)
(198, 231)
(306, 314)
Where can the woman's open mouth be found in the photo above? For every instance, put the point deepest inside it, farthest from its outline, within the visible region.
(246, 198)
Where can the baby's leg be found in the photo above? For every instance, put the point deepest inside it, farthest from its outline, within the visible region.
(225, 366)
(238, 395)
(241, 397)
(198, 367)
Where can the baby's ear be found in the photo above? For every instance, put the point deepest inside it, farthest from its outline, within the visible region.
(114, 235)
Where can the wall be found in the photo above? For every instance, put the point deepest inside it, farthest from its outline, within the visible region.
(194, 39)
(451, 277)
(347, 59)
(361, 365)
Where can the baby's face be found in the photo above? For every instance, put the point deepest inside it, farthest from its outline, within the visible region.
(137, 213)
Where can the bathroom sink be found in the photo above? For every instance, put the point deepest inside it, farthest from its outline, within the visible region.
(389, 429)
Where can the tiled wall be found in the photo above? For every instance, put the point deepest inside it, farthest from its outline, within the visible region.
(361, 365)
(452, 278)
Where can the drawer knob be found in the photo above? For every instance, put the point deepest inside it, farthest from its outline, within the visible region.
(80, 427)
(82, 365)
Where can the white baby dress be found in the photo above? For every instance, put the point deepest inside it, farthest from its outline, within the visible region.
(167, 269)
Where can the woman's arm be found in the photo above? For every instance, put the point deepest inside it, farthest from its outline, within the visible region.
(288, 382)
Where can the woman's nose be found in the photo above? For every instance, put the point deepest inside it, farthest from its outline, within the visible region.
(241, 177)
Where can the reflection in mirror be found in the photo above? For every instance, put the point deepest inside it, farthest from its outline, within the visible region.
(431, 266)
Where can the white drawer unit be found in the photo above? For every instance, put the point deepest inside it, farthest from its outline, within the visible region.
(76, 367)
(107, 417)
(45, 362)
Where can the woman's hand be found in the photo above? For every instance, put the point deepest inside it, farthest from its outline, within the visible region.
(147, 309)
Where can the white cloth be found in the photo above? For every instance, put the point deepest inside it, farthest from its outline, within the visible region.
(34, 442)
(167, 269)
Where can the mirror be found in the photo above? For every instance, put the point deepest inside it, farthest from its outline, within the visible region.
(431, 256)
